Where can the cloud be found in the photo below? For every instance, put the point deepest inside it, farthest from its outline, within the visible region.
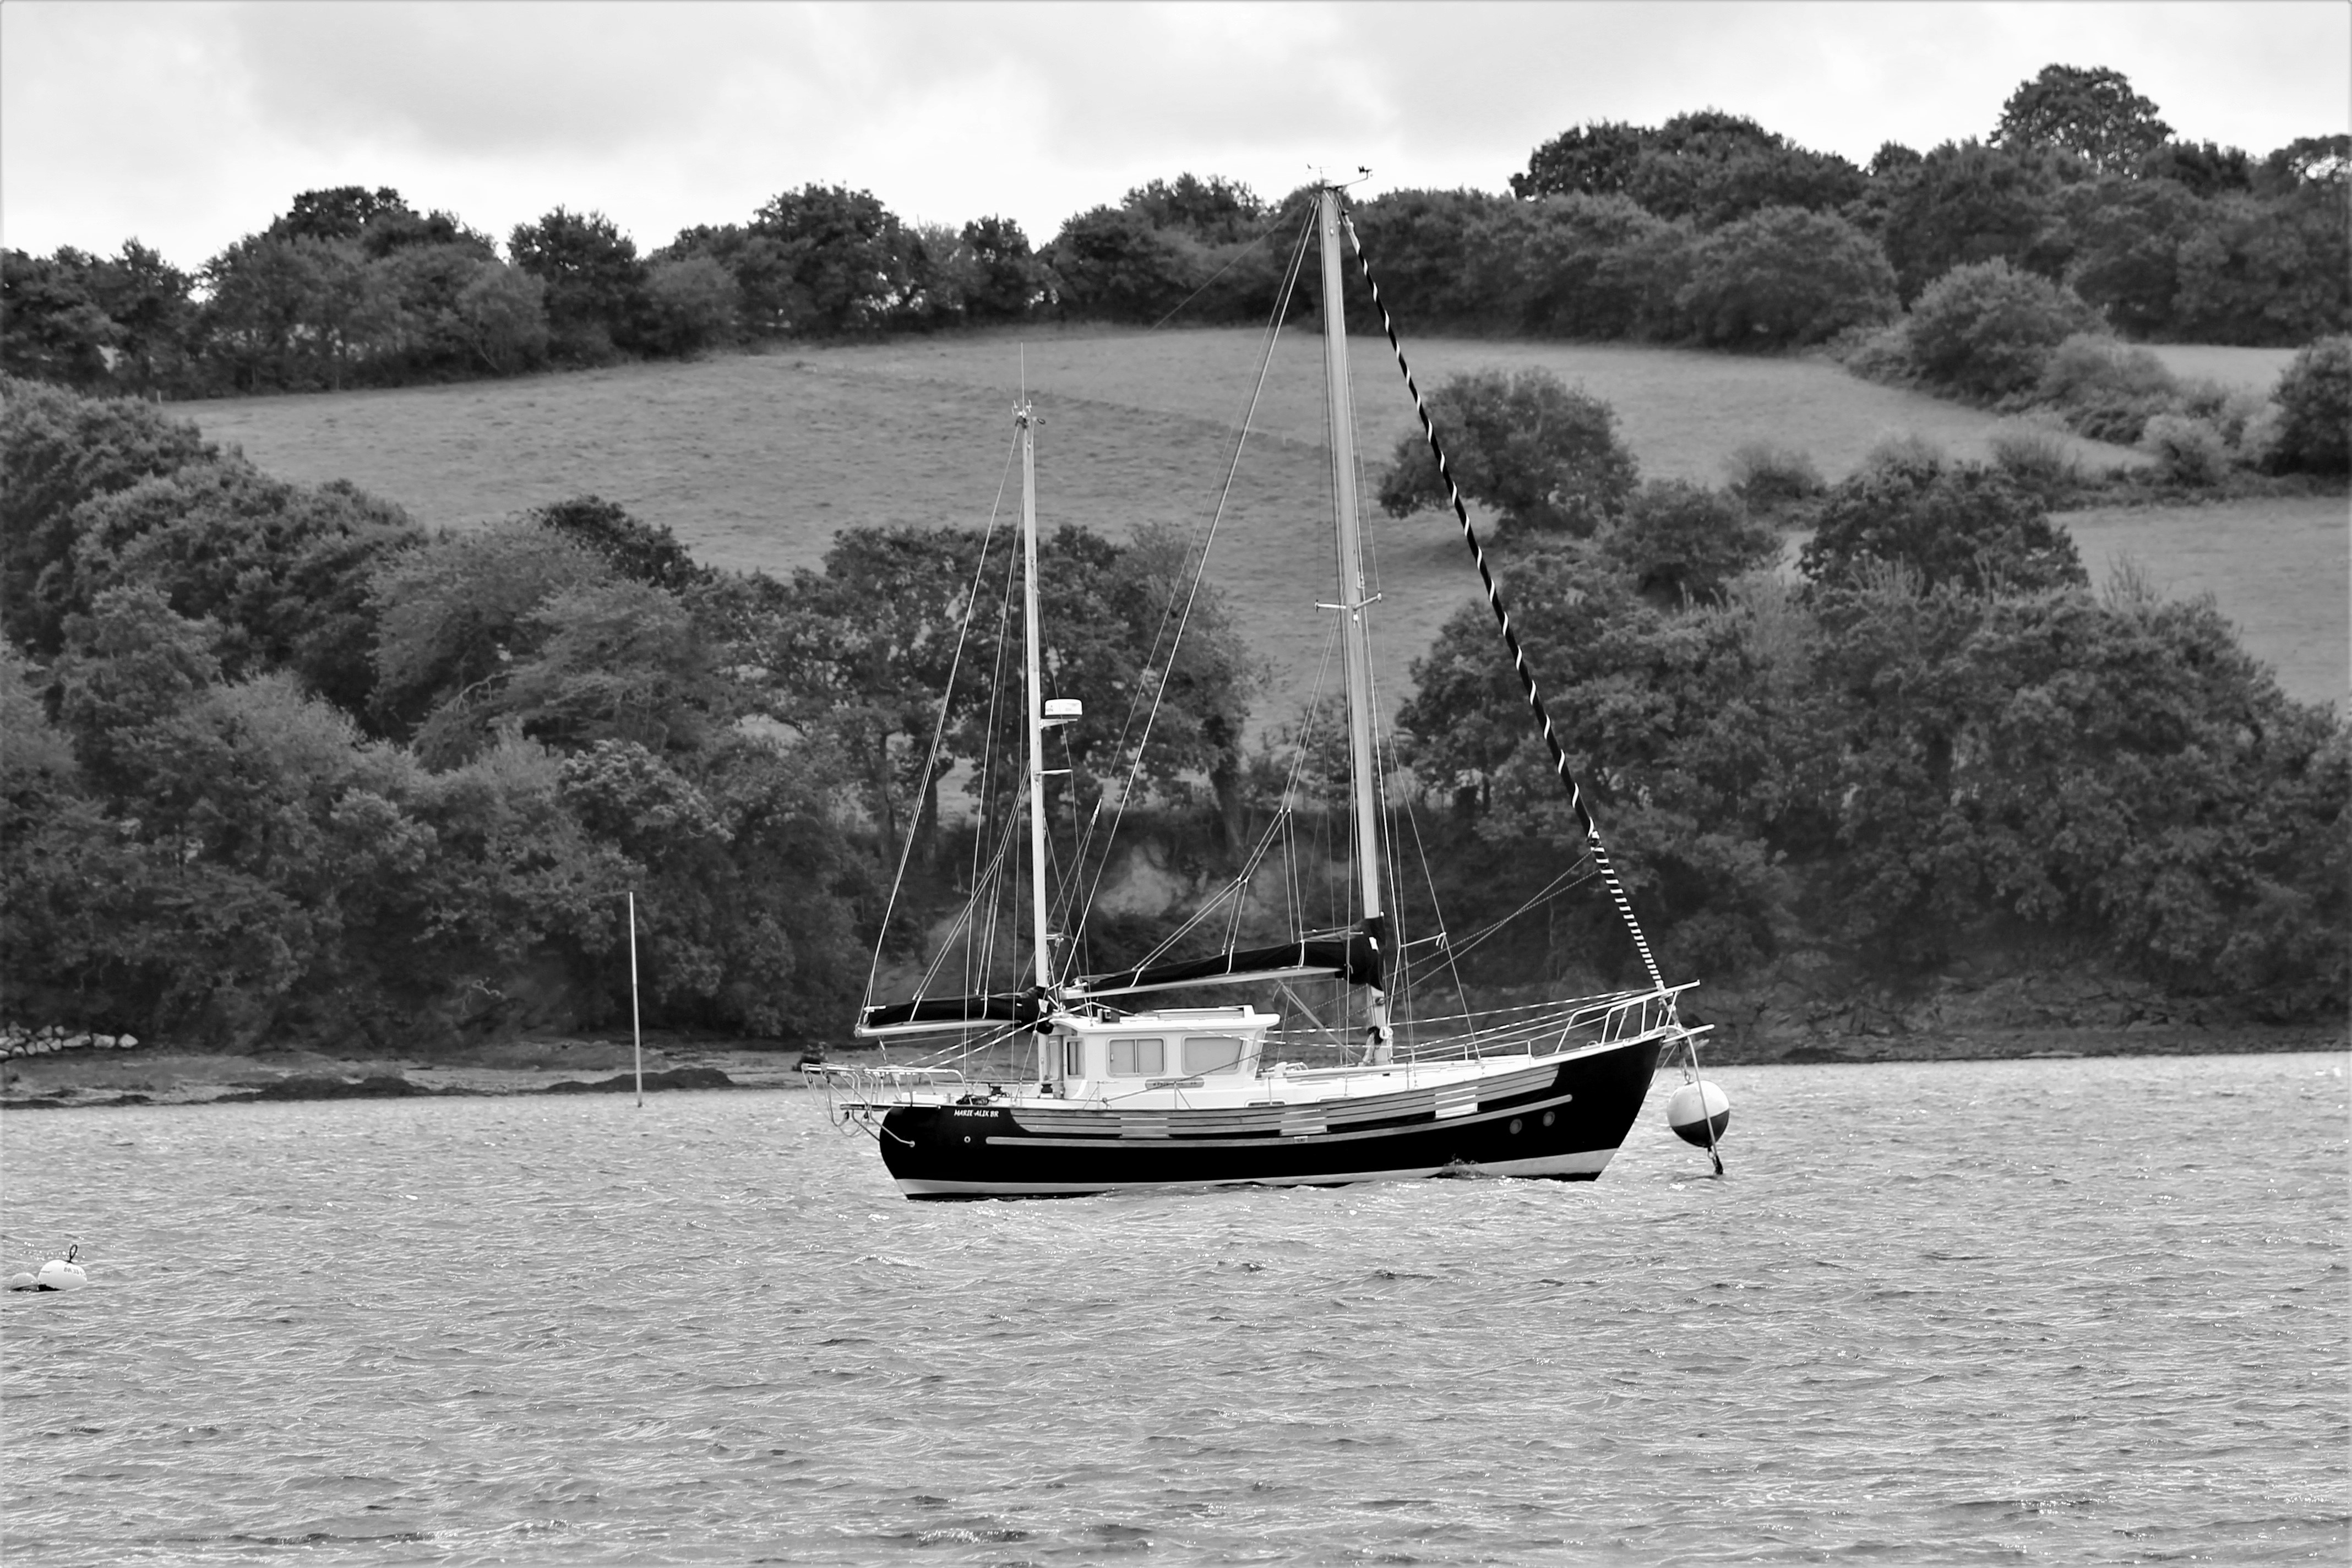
(191, 124)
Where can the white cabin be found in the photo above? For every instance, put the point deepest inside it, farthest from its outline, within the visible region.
(1177, 1047)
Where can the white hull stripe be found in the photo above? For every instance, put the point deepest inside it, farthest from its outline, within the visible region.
(1588, 1163)
(1159, 1139)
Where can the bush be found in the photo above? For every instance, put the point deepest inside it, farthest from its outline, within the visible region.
(2315, 402)
(1989, 330)
(1903, 449)
(2229, 409)
(2107, 389)
(1772, 481)
(1877, 354)
(2035, 455)
(2188, 450)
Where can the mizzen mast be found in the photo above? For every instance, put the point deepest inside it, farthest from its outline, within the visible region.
(1354, 600)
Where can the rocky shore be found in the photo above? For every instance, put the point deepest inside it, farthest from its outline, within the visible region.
(100, 1077)
(79, 1076)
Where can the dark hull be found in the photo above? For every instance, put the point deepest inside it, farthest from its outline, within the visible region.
(1565, 1128)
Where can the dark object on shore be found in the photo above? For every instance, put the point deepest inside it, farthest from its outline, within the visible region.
(625, 1083)
(379, 1086)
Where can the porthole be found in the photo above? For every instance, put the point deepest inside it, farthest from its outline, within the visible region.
(1515, 1124)
(1546, 1119)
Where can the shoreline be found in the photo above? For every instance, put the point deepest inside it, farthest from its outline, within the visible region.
(83, 1078)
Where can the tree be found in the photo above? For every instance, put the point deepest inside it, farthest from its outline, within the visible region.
(641, 552)
(1961, 524)
(605, 661)
(147, 299)
(2314, 401)
(1595, 159)
(283, 570)
(1965, 203)
(455, 615)
(1214, 211)
(838, 263)
(2200, 168)
(2093, 114)
(1547, 459)
(59, 450)
(2275, 270)
(259, 320)
(1678, 542)
(1710, 167)
(2127, 237)
(692, 303)
(1113, 263)
(501, 313)
(1785, 278)
(344, 212)
(53, 330)
(1431, 252)
(1007, 280)
(1593, 267)
(595, 282)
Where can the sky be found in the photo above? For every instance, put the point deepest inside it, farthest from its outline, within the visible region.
(188, 125)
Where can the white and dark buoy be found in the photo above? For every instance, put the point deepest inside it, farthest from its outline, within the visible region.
(1698, 1112)
(57, 1274)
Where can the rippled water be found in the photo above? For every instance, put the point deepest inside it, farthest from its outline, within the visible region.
(2054, 1311)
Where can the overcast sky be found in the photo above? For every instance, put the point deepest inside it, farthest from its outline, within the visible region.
(187, 125)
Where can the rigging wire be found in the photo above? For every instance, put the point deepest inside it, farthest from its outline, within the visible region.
(1495, 602)
(938, 733)
(1166, 668)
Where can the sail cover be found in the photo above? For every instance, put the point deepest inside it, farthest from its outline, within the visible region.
(1356, 956)
(992, 1007)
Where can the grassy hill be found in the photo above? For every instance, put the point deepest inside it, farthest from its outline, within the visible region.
(757, 460)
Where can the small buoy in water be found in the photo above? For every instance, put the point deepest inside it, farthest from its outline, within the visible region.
(21, 1281)
(1698, 1112)
(60, 1274)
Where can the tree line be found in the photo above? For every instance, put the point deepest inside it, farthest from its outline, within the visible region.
(1941, 751)
(1708, 230)
(280, 763)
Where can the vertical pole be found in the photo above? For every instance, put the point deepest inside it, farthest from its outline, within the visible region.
(1033, 660)
(637, 1030)
(1355, 635)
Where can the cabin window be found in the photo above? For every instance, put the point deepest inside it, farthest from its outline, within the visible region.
(1137, 1058)
(1212, 1053)
(1074, 1058)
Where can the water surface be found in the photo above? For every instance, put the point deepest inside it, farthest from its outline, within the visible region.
(2053, 1311)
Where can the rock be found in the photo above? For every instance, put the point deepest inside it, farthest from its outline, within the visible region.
(625, 1083)
(300, 1086)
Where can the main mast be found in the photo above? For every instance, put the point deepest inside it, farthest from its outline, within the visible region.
(1354, 601)
(1033, 686)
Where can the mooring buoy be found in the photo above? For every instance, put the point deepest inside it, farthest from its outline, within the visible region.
(1698, 1112)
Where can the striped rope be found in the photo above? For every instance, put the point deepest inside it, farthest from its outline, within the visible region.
(1503, 619)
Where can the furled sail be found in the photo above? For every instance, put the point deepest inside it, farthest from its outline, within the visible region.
(990, 1008)
(1356, 956)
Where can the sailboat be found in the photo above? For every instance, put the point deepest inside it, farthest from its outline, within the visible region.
(1106, 1093)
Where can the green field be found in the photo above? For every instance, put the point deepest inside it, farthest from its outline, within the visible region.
(755, 460)
(2254, 370)
(2278, 568)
